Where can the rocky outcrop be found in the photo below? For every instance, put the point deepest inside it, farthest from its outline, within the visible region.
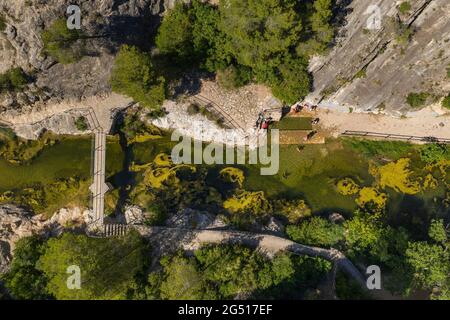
(373, 70)
(16, 223)
(106, 24)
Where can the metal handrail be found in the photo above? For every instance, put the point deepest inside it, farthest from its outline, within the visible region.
(395, 136)
(221, 111)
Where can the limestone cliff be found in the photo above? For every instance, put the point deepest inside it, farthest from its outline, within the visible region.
(367, 69)
(374, 69)
(106, 24)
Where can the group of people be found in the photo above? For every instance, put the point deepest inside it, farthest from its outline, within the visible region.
(263, 122)
(298, 107)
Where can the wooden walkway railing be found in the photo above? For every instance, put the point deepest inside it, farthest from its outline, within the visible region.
(395, 136)
(228, 119)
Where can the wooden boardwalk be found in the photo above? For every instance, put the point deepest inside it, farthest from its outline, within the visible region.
(99, 186)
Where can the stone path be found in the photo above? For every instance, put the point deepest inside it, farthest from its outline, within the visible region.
(60, 117)
(169, 239)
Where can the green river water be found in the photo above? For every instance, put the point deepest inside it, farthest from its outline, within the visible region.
(310, 174)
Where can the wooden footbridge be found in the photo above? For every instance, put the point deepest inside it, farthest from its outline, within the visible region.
(99, 187)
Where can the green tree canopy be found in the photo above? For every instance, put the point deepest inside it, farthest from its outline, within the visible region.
(23, 280)
(133, 74)
(430, 263)
(260, 31)
(316, 231)
(175, 33)
(182, 280)
(108, 265)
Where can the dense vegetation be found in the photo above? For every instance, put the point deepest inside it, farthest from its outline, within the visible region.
(226, 272)
(134, 75)
(267, 41)
(119, 268)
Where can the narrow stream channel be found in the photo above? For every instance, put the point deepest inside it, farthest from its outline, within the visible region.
(125, 179)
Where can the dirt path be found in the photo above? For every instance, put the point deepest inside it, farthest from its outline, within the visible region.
(424, 123)
(169, 239)
(58, 117)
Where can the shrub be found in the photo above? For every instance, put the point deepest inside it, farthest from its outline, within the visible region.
(59, 42)
(133, 74)
(432, 153)
(2, 23)
(417, 100)
(81, 124)
(193, 108)
(316, 231)
(446, 101)
(404, 7)
(12, 80)
(347, 186)
(404, 33)
(234, 77)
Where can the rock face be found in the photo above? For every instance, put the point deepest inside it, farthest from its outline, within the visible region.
(16, 223)
(372, 70)
(106, 24)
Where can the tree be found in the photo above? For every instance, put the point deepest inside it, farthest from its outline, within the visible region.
(208, 40)
(133, 74)
(59, 42)
(294, 81)
(234, 77)
(260, 32)
(317, 232)
(237, 270)
(362, 233)
(175, 33)
(437, 231)
(182, 280)
(108, 265)
(430, 263)
(24, 280)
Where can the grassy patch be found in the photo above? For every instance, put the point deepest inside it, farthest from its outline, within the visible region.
(392, 150)
(294, 123)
